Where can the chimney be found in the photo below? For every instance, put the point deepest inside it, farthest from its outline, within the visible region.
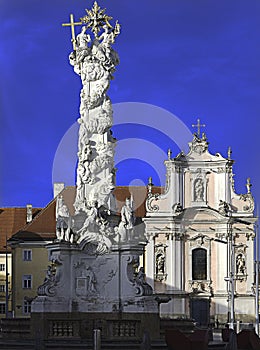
(57, 188)
(28, 213)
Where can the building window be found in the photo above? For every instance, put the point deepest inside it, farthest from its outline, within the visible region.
(199, 264)
(2, 288)
(2, 267)
(26, 307)
(27, 281)
(2, 308)
(27, 255)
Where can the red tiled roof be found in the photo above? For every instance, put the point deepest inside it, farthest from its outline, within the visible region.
(43, 225)
(139, 196)
(12, 220)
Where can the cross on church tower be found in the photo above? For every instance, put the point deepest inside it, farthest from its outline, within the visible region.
(72, 24)
(198, 125)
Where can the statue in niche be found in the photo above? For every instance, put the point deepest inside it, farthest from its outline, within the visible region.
(126, 225)
(198, 190)
(240, 264)
(160, 264)
(62, 220)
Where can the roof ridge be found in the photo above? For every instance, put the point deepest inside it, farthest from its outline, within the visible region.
(28, 224)
(43, 210)
(12, 208)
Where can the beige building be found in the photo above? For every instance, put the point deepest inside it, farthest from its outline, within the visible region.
(5, 282)
(29, 258)
(11, 220)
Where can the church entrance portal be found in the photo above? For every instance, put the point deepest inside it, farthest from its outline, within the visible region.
(200, 311)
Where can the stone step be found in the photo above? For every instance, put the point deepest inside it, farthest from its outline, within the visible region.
(217, 346)
(105, 345)
(62, 345)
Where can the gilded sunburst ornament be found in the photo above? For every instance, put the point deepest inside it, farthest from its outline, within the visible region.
(96, 19)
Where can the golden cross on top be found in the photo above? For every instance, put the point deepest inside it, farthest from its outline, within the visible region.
(72, 24)
(198, 125)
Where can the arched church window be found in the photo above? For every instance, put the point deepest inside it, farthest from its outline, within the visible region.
(199, 264)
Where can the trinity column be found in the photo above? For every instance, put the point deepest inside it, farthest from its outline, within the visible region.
(94, 61)
(94, 274)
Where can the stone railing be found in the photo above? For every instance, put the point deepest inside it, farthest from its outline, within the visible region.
(15, 328)
(63, 329)
(125, 329)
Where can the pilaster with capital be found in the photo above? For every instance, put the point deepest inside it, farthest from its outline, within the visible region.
(149, 265)
(175, 261)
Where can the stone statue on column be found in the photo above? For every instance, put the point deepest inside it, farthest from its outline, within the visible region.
(94, 60)
(126, 226)
(62, 220)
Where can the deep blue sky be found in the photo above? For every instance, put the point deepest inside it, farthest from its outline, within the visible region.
(193, 58)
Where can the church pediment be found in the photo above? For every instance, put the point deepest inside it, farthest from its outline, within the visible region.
(199, 150)
(201, 214)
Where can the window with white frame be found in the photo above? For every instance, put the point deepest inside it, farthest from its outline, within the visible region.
(199, 264)
(26, 306)
(2, 267)
(27, 281)
(2, 288)
(2, 308)
(27, 255)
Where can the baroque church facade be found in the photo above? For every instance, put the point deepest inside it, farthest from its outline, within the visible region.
(200, 235)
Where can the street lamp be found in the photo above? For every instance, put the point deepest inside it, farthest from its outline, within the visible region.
(257, 281)
(230, 279)
(231, 273)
